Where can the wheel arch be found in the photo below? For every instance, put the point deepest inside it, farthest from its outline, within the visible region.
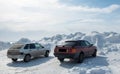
(28, 54)
(47, 50)
(78, 54)
(81, 53)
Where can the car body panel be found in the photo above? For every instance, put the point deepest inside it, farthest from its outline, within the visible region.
(62, 51)
(25, 49)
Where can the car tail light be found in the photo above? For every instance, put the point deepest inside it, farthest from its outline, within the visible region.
(73, 50)
(56, 50)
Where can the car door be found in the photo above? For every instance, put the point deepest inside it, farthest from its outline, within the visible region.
(33, 50)
(40, 49)
(84, 48)
(43, 50)
(89, 47)
(26, 49)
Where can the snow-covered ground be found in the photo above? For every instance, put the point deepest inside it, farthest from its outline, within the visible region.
(106, 62)
(102, 64)
(40, 65)
(109, 64)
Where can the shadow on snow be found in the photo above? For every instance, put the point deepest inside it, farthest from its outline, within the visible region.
(33, 62)
(88, 62)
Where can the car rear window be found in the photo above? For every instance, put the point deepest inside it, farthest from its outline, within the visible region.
(16, 47)
(70, 43)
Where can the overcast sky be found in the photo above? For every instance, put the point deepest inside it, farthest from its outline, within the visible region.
(35, 19)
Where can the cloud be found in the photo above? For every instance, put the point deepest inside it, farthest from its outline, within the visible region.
(108, 9)
(47, 15)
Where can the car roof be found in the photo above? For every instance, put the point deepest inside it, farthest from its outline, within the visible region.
(75, 40)
(33, 43)
(18, 44)
(25, 43)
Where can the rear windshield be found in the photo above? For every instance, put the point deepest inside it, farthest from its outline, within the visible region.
(16, 47)
(69, 43)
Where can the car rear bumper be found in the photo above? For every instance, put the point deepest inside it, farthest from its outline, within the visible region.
(16, 56)
(65, 55)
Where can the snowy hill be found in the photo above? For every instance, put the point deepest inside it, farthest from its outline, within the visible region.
(101, 40)
(23, 41)
(4, 45)
(106, 62)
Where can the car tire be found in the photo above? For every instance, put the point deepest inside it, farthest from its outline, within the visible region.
(61, 59)
(80, 58)
(47, 54)
(27, 58)
(95, 53)
(14, 60)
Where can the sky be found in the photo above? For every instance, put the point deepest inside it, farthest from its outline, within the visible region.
(35, 19)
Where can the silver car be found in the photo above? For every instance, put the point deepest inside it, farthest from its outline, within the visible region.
(26, 51)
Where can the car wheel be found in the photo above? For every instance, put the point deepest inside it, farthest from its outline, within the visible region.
(46, 53)
(14, 60)
(27, 58)
(61, 59)
(81, 58)
(95, 53)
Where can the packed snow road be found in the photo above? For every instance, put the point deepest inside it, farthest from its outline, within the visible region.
(50, 65)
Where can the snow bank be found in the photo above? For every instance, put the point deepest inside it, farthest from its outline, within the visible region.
(101, 40)
(4, 45)
(23, 41)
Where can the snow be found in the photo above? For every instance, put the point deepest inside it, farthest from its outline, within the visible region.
(4, 45)
(102, 64)
(99, 39)
(23, 40)
(40, 65)
(98, 65)
(106, 62)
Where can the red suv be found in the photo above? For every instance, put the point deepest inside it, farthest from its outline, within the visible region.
(75, 49)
